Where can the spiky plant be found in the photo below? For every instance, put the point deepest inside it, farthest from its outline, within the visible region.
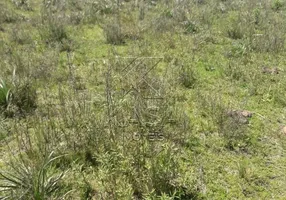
(30, 181)
(5, 94)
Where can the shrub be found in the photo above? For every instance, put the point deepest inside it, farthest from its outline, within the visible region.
(22, 4)
(277, 5)
(278, 93)
(56, 31)
(55, 34)
(234, 131)
(44, 65)
(21, 35)
(238, 49)
(237, 26)
(164, 170)
(235, 72)
(94, 10)
(190, 27)
(257, 15)
(113, 33)
(272, 41)
(230, 124)
(164, 23)
(24, 97)
(54, 20)
(7, 15)
(187, 77)
(130, 27)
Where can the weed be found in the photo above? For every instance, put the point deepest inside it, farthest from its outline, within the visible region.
(94, 10)
(231, 125)
(238, 49)
(7, 15)
(164, 22)
(56, 31)
(190, 27)
(235, 72)
(187, 77)
(277, 5)
(235, 29)
(20, 35)
(88, 192)
(113, 33)
(24, 97)
(279, 94)
(22, 4)
(234, 131)
(54, 21)
(257, 16)
(164, 169)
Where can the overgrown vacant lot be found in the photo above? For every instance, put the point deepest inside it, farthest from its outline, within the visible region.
(162, 99)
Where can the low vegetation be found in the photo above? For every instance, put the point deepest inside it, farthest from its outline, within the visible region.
(128, 99)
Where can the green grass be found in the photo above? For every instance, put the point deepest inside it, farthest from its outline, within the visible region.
(68, 88)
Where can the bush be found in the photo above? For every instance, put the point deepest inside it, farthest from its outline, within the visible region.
(272, 41)
(277, 5)
(22, 4)
(55, 30)
(95, 10)
(55, 34)
(21, 101)
(190, 27)
(164, 170)
(7, 15)
(54, 22)
(235, 30)
(230, 124)
(24, 97)
(21, 34)
(235, 72)
(187, 77)
(113, 33)
(164, 23)
(234, 131)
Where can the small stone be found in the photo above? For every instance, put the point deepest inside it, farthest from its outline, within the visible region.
(240, 115)
(268, 70)
(283, 130)
(246, 113)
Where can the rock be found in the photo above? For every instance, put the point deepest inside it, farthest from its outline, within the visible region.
(268, 70)
(241, 116)
(246, 113)
(283, 130)
(242, 113)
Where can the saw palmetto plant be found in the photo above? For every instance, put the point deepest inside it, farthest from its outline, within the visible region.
(24, 180)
